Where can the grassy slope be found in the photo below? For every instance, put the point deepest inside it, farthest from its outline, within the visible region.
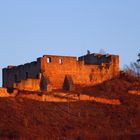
(80, 120)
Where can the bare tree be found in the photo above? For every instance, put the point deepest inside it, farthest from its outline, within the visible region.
(137, 65)
(134, 68)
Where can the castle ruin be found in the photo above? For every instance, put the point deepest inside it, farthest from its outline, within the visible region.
(61, 72)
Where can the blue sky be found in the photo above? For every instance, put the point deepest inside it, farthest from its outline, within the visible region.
(31, 28)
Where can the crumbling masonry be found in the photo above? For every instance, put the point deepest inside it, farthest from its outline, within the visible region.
(57, 72)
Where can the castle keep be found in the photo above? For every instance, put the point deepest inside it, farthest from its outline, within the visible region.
(57, 72)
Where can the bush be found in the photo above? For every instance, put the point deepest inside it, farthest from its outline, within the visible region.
(10, 90)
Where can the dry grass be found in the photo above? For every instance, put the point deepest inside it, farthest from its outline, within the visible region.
(28, 119)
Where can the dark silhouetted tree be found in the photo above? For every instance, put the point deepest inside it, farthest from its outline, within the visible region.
(137, 65)
(134, 68)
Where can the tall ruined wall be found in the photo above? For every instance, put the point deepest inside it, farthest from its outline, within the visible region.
(96, 68)
(81, 71)
(14, 74)
(55, 68)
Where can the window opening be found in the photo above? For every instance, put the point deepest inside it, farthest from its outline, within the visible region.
(48, 60)
(60, 61)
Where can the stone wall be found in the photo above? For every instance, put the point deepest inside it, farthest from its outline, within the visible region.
(81, 73)
(52, 70)
(28, 85)
(14, 74)
(56, 71)
(3, 92)
(95, 59)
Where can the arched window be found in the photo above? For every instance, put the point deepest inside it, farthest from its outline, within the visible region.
(48, 60)
(60, 61)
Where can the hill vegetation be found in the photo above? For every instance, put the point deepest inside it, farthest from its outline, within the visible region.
(81, 120)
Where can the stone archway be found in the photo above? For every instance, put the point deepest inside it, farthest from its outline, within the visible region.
(45, 84)
(68, 83)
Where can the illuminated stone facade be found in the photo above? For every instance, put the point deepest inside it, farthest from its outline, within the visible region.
(51, 72)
